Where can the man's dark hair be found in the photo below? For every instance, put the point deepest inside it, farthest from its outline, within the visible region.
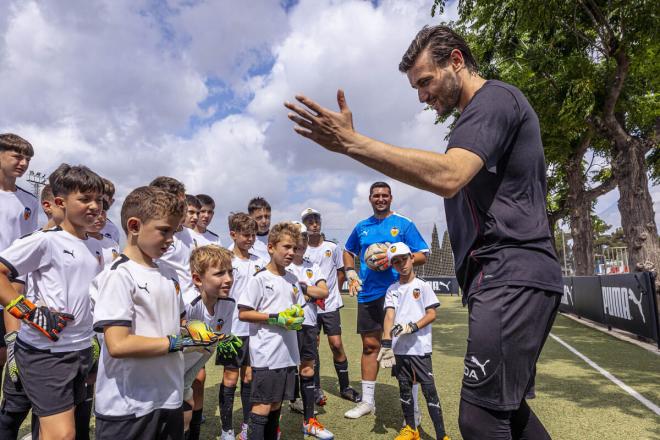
(193, 201)
(15, 143)
(205, 200)
(67, 179)
(440, 40)
(379, 185)
(169, 184)
(258, 203)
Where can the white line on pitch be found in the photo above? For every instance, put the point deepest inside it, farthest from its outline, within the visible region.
(646, 402)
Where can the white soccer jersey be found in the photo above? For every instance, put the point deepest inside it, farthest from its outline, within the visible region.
(410, 302)
(110, 250)
(309, 274)
(244, 270)
(178, 256)
(260, 247)
(18, 215)
(148, 301)
(61, 268)
(328, 256)
(221, 318)
(271, 346)
(111, 231)
(206, 238)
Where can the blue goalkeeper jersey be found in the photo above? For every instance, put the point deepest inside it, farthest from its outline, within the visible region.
(391, 229)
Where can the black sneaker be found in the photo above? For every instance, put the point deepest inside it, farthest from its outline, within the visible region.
(349, 393)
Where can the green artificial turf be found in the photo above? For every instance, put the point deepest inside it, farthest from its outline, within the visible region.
(574, 401)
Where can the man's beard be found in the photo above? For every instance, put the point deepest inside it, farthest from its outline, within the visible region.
(450, 99)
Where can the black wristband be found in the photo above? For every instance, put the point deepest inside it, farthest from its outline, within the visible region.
(273, 316)
(386, 343)
(346, 269)
(414, 327)
(303, 287)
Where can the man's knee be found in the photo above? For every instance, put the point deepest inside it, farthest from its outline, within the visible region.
(370, 344)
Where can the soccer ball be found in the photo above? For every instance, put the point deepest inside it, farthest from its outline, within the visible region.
(373, 254)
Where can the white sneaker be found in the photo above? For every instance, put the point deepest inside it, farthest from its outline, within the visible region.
(315, 429)
(298, 406)
(227, 435)
(243, 435)
(361, 409)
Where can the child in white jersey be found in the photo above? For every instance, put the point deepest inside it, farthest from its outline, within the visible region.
(63, 262)
(314, 289)
(410, 307)
(138, 308)
(272, 305)
(242, 230)
(206, 212)
(212, 276)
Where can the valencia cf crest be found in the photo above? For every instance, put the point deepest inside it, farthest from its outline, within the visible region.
(294, 293)
(328, 253)
(219, 325)
(309, 273)
(177, 287)
(115, 254)
(99, 258)
(256, 269)
(416, 293)
(27, 213)
(394, 231)
(392, 249)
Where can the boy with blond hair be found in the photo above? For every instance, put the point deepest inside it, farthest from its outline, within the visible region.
(63, 262)
(138, 308)
(212, 275)
(272, 305)
(242, 230)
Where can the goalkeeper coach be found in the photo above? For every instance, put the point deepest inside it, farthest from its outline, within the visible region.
(492, 177)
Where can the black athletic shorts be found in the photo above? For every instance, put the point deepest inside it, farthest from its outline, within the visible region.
(161, 424)
(507, 329)
(413, 369)
(242, 359)
(271, 386)
(370, 316)
(307, 345)
(14, 398)
(329, 322)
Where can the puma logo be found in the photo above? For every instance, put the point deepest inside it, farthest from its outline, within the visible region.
(69, 253)
(480, 365)
(637, 302)
(143, 287)
(446, 285)
(405, 402)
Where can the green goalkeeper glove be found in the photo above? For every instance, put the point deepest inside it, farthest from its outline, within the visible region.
(12, 368)
(290, 319)
(228, 346)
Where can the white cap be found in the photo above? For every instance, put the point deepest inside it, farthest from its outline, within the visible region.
(309, 211)
(397, 249)
(303, 228)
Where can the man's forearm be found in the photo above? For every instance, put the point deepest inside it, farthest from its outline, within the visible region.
(422, 169)
(420, 258)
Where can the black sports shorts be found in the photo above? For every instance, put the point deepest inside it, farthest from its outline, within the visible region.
(271, 386)
(242, 359)
(307, 342)
(329, 322)
(413, 369)
(507, 329)
(370, 316)
(162, 424)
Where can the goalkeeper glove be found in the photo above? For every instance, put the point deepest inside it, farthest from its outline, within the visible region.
(354, 282)
(386, 355)
(228, 346)
(47, 321)
(382, 262)
(194, 334)
(290, 319)
(12, 367)
(406, 329)
(96, 348)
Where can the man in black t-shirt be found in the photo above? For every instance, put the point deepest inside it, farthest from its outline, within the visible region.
(492, 177)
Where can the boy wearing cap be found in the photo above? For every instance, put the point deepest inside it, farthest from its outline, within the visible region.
(406, 347)
(328, 256)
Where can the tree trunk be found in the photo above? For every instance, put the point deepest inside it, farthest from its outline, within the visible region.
(636, 206)
(579, 212)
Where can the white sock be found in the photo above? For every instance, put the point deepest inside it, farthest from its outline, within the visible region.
(415, 394)
(368, 389)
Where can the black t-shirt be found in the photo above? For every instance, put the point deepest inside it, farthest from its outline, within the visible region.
(497, 223)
